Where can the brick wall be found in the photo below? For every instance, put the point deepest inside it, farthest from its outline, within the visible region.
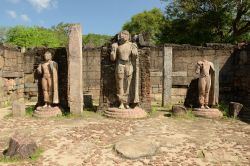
(17, 73)
(11, 75)
(241, 76)
(184, 82)
(156, 64)
(92, 72)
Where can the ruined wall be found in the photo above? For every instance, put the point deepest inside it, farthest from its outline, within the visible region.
(92, 72)
(156, 67)
(17, 73)
(241, 76)
(184, 80)
(11, 75)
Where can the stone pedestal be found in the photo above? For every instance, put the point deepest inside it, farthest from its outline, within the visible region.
(133, 113)
(211, 113)
(47, 112)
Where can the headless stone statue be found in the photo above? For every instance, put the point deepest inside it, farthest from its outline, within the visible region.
(49, 81)
(206, 70)
(123, 52)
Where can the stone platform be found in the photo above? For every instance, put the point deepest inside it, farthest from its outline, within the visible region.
(211, 113)
(133, 113)
(46, 112)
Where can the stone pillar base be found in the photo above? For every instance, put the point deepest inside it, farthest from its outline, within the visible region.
(211, 113)
(133, 113)
(47, 112)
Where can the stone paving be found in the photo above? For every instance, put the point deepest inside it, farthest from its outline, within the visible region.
(90, 141)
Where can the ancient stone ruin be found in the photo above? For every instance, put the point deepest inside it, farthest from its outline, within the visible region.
(166, 74)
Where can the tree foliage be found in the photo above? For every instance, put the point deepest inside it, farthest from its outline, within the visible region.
(56, 36)
(61, 31)
(31, 37)
(95, 40)
(147, 22)
(201, 21)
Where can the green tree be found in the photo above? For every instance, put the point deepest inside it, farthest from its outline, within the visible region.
(148, 22)
(31, 37)
(95, 40)
(61, 31)
(201, 21)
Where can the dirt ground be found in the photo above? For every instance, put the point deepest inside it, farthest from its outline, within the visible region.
(80, 141)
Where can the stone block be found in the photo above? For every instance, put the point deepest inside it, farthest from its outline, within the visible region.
(156, 74)
(30, 85)
(18, 109)
(177, 99)
(179, 91)
(179, 74)
(10, 54)
(180, 81)
(156, 81)
(28, 68)
(21, 146)
(234, 109)
(6, 74)
(29, 78)
(179, 110)
(180, 66)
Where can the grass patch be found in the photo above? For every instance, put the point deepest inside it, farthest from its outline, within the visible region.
(86, 113)
(189, 115)
(34, 157)
(224, 108)
(29, 110)
(154, 112)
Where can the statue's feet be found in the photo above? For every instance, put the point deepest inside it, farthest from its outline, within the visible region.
(45, 105)
(121, 106)
(207, 107)
(202, 107)
(127, 106)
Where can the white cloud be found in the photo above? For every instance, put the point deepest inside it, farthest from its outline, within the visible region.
(14, 1)
(12, 14)
(40, 5)
(25, 17)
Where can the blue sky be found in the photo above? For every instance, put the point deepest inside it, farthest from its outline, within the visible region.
(95, 16)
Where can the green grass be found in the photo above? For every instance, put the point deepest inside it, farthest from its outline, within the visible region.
(154, 112)
(29, 110)
(34, 157)
(86, 113)
(224, 108)
(188, 116)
